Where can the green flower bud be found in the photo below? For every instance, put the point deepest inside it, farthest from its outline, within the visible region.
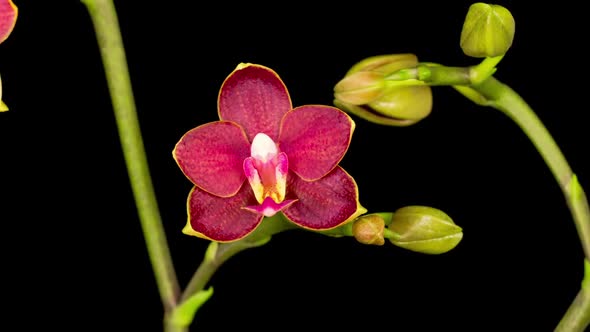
(366, 92)
(360, 87)
(424, 229)
(412, 103)
(368, 229)
(488, 31)
(385, 64)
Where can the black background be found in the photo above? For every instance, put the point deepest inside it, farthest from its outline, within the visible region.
(72, 249)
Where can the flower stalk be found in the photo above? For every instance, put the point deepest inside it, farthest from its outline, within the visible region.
(218, 253)
(106, 26)
(577, 317)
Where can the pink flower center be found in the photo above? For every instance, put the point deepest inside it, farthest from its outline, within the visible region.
(266, 169)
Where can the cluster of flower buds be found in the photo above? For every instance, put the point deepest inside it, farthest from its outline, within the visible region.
(366, 92)
(372, 88)
(417, 228)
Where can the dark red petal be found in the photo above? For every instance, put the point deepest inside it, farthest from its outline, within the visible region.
(211, 156)
(325, 203)
(255, 97)
(8, 15)
(315, 138)
(221, 219)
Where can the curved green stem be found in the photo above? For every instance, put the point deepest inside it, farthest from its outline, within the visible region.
(506, 100)
(472, 83)
(218, 253)
(577, 317)
(106, 26)
(491, 92)
(502, 97)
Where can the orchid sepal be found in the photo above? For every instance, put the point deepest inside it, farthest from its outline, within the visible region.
(8, 16)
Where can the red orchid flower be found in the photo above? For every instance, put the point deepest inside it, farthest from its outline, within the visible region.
(264, 156)
(8, 14)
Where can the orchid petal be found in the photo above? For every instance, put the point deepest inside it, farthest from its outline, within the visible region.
(326, 203)
(315, 138)
(8, 15)
(220, 219)
(255, 97)
(212, 157)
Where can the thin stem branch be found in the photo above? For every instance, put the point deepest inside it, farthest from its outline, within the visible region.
(577, 316)
(218, 253)
(210, 264)
(108, 34)
(491, 92)
(503, 98)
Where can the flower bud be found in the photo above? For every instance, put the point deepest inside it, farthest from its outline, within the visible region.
(412, 103)
(488, 31)
(424, 229)
(385, 64)
(366, 92)
(360, 88)
(368, 229)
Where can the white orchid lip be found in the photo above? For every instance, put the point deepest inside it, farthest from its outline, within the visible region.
(266, 169)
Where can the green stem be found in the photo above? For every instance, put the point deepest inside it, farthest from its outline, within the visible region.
(491, 92)
(506, 100)
(471, 82)
(577, 317)
(171, 327)
(218, 253)
(484, 69)
(108, 34)
(210, 264)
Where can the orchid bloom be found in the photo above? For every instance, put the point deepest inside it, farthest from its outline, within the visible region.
(265, 157)
(8, 14)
